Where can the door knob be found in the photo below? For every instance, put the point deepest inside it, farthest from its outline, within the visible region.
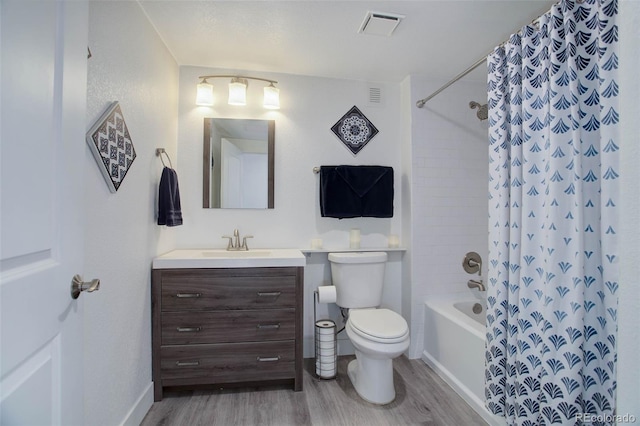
(78, 286)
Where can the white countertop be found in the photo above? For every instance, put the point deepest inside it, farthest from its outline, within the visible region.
(353, 250)
(221, 258)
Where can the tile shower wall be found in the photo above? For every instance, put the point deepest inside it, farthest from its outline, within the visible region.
(449, 169)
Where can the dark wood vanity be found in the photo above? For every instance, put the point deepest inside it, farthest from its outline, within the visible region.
(226, 326)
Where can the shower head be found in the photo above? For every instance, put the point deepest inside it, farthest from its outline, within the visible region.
(483, 110)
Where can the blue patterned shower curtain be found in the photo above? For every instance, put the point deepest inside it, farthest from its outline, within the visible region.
(551, 318)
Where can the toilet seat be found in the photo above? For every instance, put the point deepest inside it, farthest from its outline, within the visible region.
(379, 325)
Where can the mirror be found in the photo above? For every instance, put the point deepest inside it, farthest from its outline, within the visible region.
(238, 163)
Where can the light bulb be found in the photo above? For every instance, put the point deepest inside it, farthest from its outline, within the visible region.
(204, 94)
(238, 91)
(271, 97)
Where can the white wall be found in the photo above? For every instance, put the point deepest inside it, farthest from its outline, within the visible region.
(629, 248)
(309, 107)
(449, 178)
(129, 64)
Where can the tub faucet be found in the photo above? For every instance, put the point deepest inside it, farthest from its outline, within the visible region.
(476, 284)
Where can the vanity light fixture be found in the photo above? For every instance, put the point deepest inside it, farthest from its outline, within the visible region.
(237, 91)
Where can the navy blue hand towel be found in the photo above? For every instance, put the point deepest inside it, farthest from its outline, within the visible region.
(356, 191)
(169, 211)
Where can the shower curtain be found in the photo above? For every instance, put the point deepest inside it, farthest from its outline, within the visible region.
(553, 194)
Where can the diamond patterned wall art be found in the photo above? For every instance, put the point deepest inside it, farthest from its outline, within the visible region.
(112, 147)
(354, 130)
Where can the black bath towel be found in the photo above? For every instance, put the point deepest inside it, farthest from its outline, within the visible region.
(356, 191)
(169, 211)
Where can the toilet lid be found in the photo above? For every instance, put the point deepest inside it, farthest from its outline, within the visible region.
(378, 324)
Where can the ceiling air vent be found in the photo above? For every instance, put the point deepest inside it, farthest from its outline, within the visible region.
(378, 23)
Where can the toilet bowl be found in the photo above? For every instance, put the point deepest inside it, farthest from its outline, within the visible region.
(377, 334)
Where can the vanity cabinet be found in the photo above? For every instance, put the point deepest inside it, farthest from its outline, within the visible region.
(226, 325)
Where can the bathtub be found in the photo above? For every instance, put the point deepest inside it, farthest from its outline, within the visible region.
(454, 337)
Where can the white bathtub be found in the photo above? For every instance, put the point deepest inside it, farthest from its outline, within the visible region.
(454, 347)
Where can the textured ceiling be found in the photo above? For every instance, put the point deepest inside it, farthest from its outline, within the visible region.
(320, 38)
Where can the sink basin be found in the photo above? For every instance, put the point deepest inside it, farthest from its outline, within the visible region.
(232, 254)
(220, 258)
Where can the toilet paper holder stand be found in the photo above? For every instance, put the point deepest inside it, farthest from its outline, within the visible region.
(325, 350)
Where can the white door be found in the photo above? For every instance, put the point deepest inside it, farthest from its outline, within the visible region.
(43, 103)
(231, 172)
(255, 180)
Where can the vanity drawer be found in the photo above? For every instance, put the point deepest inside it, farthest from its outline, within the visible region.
(179, 328)
(189, 292)
(226, 363)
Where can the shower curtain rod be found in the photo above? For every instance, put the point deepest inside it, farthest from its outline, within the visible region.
(476, 64)
(480, 61)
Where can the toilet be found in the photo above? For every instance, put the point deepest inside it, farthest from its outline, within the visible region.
(377, 334)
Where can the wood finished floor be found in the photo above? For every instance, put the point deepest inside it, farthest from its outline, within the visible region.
(422, 398)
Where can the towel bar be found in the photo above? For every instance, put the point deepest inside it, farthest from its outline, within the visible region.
(159, 152)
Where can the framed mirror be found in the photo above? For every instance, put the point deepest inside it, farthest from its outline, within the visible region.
(238, 163)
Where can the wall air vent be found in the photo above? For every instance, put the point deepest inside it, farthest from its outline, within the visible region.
(375, 95)
(378, 23)
(374, 98)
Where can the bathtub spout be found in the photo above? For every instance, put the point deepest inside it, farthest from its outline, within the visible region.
(476, 284)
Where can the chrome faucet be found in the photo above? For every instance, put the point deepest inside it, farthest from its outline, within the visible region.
(234, 242)
(236, 238)
(476, 284)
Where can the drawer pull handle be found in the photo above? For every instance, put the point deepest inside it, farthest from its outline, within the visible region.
(269, 293)
(187, 295)
(188, 329)
(268, 359)
(268, 326)
(187, 363)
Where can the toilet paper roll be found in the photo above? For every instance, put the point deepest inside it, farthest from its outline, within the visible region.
(326, 331)
(326, 370)
(326, 373)
(328, 352)
(326, 337)
(327, 294)
(326, 345)
(325, 325)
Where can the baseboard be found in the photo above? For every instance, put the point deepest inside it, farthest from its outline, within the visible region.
(140, 408)
(474, 402)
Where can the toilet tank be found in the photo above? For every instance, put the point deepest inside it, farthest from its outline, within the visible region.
(358, 278)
